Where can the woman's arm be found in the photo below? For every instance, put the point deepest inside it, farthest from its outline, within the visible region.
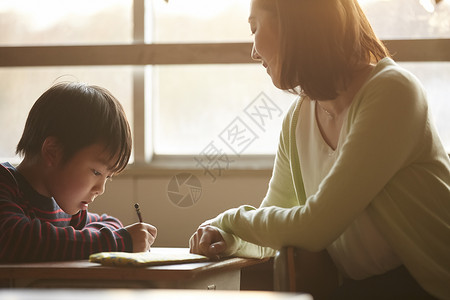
(281, 193)
(386, 125)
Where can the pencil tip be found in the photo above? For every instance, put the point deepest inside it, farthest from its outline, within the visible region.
(136, 205)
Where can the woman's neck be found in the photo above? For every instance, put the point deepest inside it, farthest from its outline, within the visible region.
(338, 106)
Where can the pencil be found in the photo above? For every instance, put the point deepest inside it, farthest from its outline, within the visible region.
(138, 211)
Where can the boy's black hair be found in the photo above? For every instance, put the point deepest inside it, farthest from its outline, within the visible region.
(78, 115)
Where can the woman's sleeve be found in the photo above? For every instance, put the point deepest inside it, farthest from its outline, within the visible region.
(386, 126)
(280, 193)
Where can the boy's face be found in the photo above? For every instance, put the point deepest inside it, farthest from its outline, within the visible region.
(75, 183)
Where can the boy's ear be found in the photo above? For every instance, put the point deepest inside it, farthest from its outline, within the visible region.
(51, 151)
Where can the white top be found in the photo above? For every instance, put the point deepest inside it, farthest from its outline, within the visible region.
(360, 251)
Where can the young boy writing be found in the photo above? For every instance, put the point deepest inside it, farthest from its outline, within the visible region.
(76, 138)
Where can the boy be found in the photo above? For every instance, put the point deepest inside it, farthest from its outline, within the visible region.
(76, 138)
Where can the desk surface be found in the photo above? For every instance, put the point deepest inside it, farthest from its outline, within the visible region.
(85, 270)
(118, 294)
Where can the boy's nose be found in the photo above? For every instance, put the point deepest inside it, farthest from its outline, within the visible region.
(99, 188)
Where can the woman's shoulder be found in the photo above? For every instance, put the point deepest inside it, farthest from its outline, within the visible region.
(294, 108)
(291, 116)
(392, 84)
(388, 72)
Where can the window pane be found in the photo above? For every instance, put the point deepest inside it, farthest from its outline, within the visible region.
(408, 19)
(218, 20)
(45, 22)
(198, 105)
(181, 21)
(21, 87)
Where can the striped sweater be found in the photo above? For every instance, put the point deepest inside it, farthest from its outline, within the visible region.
(35, 228)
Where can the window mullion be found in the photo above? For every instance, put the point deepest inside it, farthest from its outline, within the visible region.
(139, 85)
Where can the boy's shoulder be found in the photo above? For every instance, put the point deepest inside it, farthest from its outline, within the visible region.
(7, 178)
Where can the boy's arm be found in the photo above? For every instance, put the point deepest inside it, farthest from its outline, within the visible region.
(94, 220)
(23, 238)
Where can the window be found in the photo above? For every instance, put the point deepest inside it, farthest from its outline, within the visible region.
(169, 91)
(198, 21)
(208, 98)
(20, 88)
(65, 22)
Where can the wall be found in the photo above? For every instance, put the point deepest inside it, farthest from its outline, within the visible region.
(176, 224)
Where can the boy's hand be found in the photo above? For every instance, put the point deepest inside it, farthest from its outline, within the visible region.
(143, 236)
(207, 241)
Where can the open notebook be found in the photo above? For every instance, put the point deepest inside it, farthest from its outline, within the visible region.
(142, 259)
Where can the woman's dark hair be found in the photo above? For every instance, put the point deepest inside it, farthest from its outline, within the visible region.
(322, 43)
(78, 115)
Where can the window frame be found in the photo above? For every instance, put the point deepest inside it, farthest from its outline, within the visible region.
(141, 54)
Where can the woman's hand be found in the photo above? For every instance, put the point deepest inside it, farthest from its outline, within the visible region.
(207, 241)
(143, 236)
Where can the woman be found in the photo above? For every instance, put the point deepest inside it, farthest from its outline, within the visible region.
(360, 170)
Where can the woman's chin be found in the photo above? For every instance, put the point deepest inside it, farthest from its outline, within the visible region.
(276, 83)
(275, 80)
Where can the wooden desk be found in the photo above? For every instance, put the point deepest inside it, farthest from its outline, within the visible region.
(118, 294)
(223, 275)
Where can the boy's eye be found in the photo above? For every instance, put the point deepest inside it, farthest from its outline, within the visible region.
(97, 173)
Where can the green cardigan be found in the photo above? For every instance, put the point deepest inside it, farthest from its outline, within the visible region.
(392, 164)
